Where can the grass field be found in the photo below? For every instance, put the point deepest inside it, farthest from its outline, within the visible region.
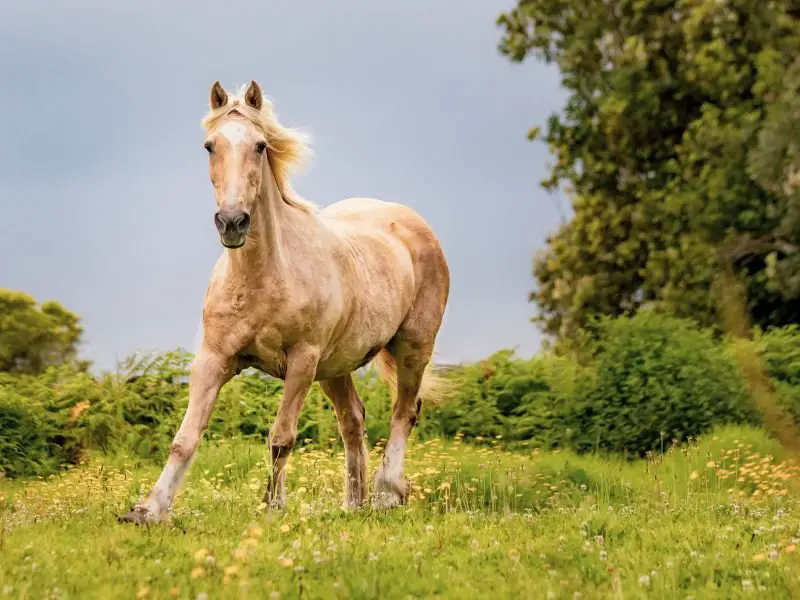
(716, 519)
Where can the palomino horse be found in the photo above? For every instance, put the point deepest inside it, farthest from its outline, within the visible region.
(307, 296)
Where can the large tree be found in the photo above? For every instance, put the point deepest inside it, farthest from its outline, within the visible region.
(675, 151)
(34, 337)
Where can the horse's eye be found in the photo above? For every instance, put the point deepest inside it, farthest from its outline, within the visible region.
(209, 147)
(261, 147)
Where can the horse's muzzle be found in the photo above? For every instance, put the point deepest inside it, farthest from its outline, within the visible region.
(232, 226)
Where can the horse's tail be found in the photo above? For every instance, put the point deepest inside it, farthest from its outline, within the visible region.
(434, 388)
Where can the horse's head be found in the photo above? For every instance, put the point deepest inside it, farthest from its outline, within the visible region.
(237, 151)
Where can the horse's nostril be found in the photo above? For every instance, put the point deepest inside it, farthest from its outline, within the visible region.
(242, 222)
(220, 223)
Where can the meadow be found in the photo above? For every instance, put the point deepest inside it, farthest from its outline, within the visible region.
(714, 518)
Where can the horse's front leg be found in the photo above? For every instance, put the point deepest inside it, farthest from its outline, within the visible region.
(210, 371)
(301, 368)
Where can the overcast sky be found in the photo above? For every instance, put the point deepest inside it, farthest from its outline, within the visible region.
(106, 201)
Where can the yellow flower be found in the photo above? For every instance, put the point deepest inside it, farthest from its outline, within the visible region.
(231, 570)
(197, 572)
(791, 548)
(255, 531)
(200, 555)
(759, 557)
(143, 593)
(285, 528)
(287, 562)
(693, 475)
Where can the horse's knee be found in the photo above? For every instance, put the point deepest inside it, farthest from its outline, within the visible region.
(352, 427)
(183, 448)
(281, 448)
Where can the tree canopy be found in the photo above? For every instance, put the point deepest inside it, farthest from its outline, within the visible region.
(679, 148)
(34, 337)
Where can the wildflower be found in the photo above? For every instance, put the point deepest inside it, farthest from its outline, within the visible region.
(284, 528)
(428, 528)
(200, 555)
(202, 596)
(286, 562)
(693, 475)
(296, 544)
(759, 557)
(255, 531)
(143, 593)
(603, 555)
(644, 580)
(197, 572)
(210, 560)
(174, 591)
(790, 548)
(773, 555)
(274, 595)
(747, 584)
(373, 557)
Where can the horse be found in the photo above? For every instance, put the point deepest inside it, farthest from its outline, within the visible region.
(307, 295)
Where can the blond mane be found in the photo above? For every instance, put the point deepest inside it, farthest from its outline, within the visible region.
(286, 147)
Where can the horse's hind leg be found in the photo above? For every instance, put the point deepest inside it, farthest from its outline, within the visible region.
(390, 485)
(350, 415)
(411, 348)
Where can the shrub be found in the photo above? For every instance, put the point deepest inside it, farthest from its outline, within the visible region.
(780, 350)
(657, 378)
(37, 439)
(508, 398)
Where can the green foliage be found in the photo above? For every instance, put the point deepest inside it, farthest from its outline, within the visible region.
(34, 337)
(644, 381)
(37, 438)
(680, 113)
(509, 399)
(780, 350)
(657, 379)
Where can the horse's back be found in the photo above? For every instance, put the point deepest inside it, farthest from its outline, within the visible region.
(402, 224)
(396, 220)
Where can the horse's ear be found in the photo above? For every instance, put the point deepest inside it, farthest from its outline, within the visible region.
(218, 97)
(253, 96)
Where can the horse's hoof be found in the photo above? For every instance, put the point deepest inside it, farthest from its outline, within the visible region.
(389, 493)
(138, 515)
(387, 500)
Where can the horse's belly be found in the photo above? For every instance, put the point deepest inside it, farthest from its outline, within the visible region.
(343, 363)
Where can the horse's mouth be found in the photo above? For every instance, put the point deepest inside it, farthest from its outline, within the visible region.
(234, 243)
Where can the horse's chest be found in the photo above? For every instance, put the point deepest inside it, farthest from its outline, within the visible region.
(266, 352)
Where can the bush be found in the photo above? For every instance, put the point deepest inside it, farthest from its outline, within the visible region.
(37, 439)
(780, 350)
(508, 398)
(649, 379)
(657, 379)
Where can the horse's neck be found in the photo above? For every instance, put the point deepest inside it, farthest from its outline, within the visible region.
(275, 225)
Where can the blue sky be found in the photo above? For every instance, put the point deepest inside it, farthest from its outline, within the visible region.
(106, 201)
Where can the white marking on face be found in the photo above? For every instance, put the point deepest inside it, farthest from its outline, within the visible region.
(236, 135)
